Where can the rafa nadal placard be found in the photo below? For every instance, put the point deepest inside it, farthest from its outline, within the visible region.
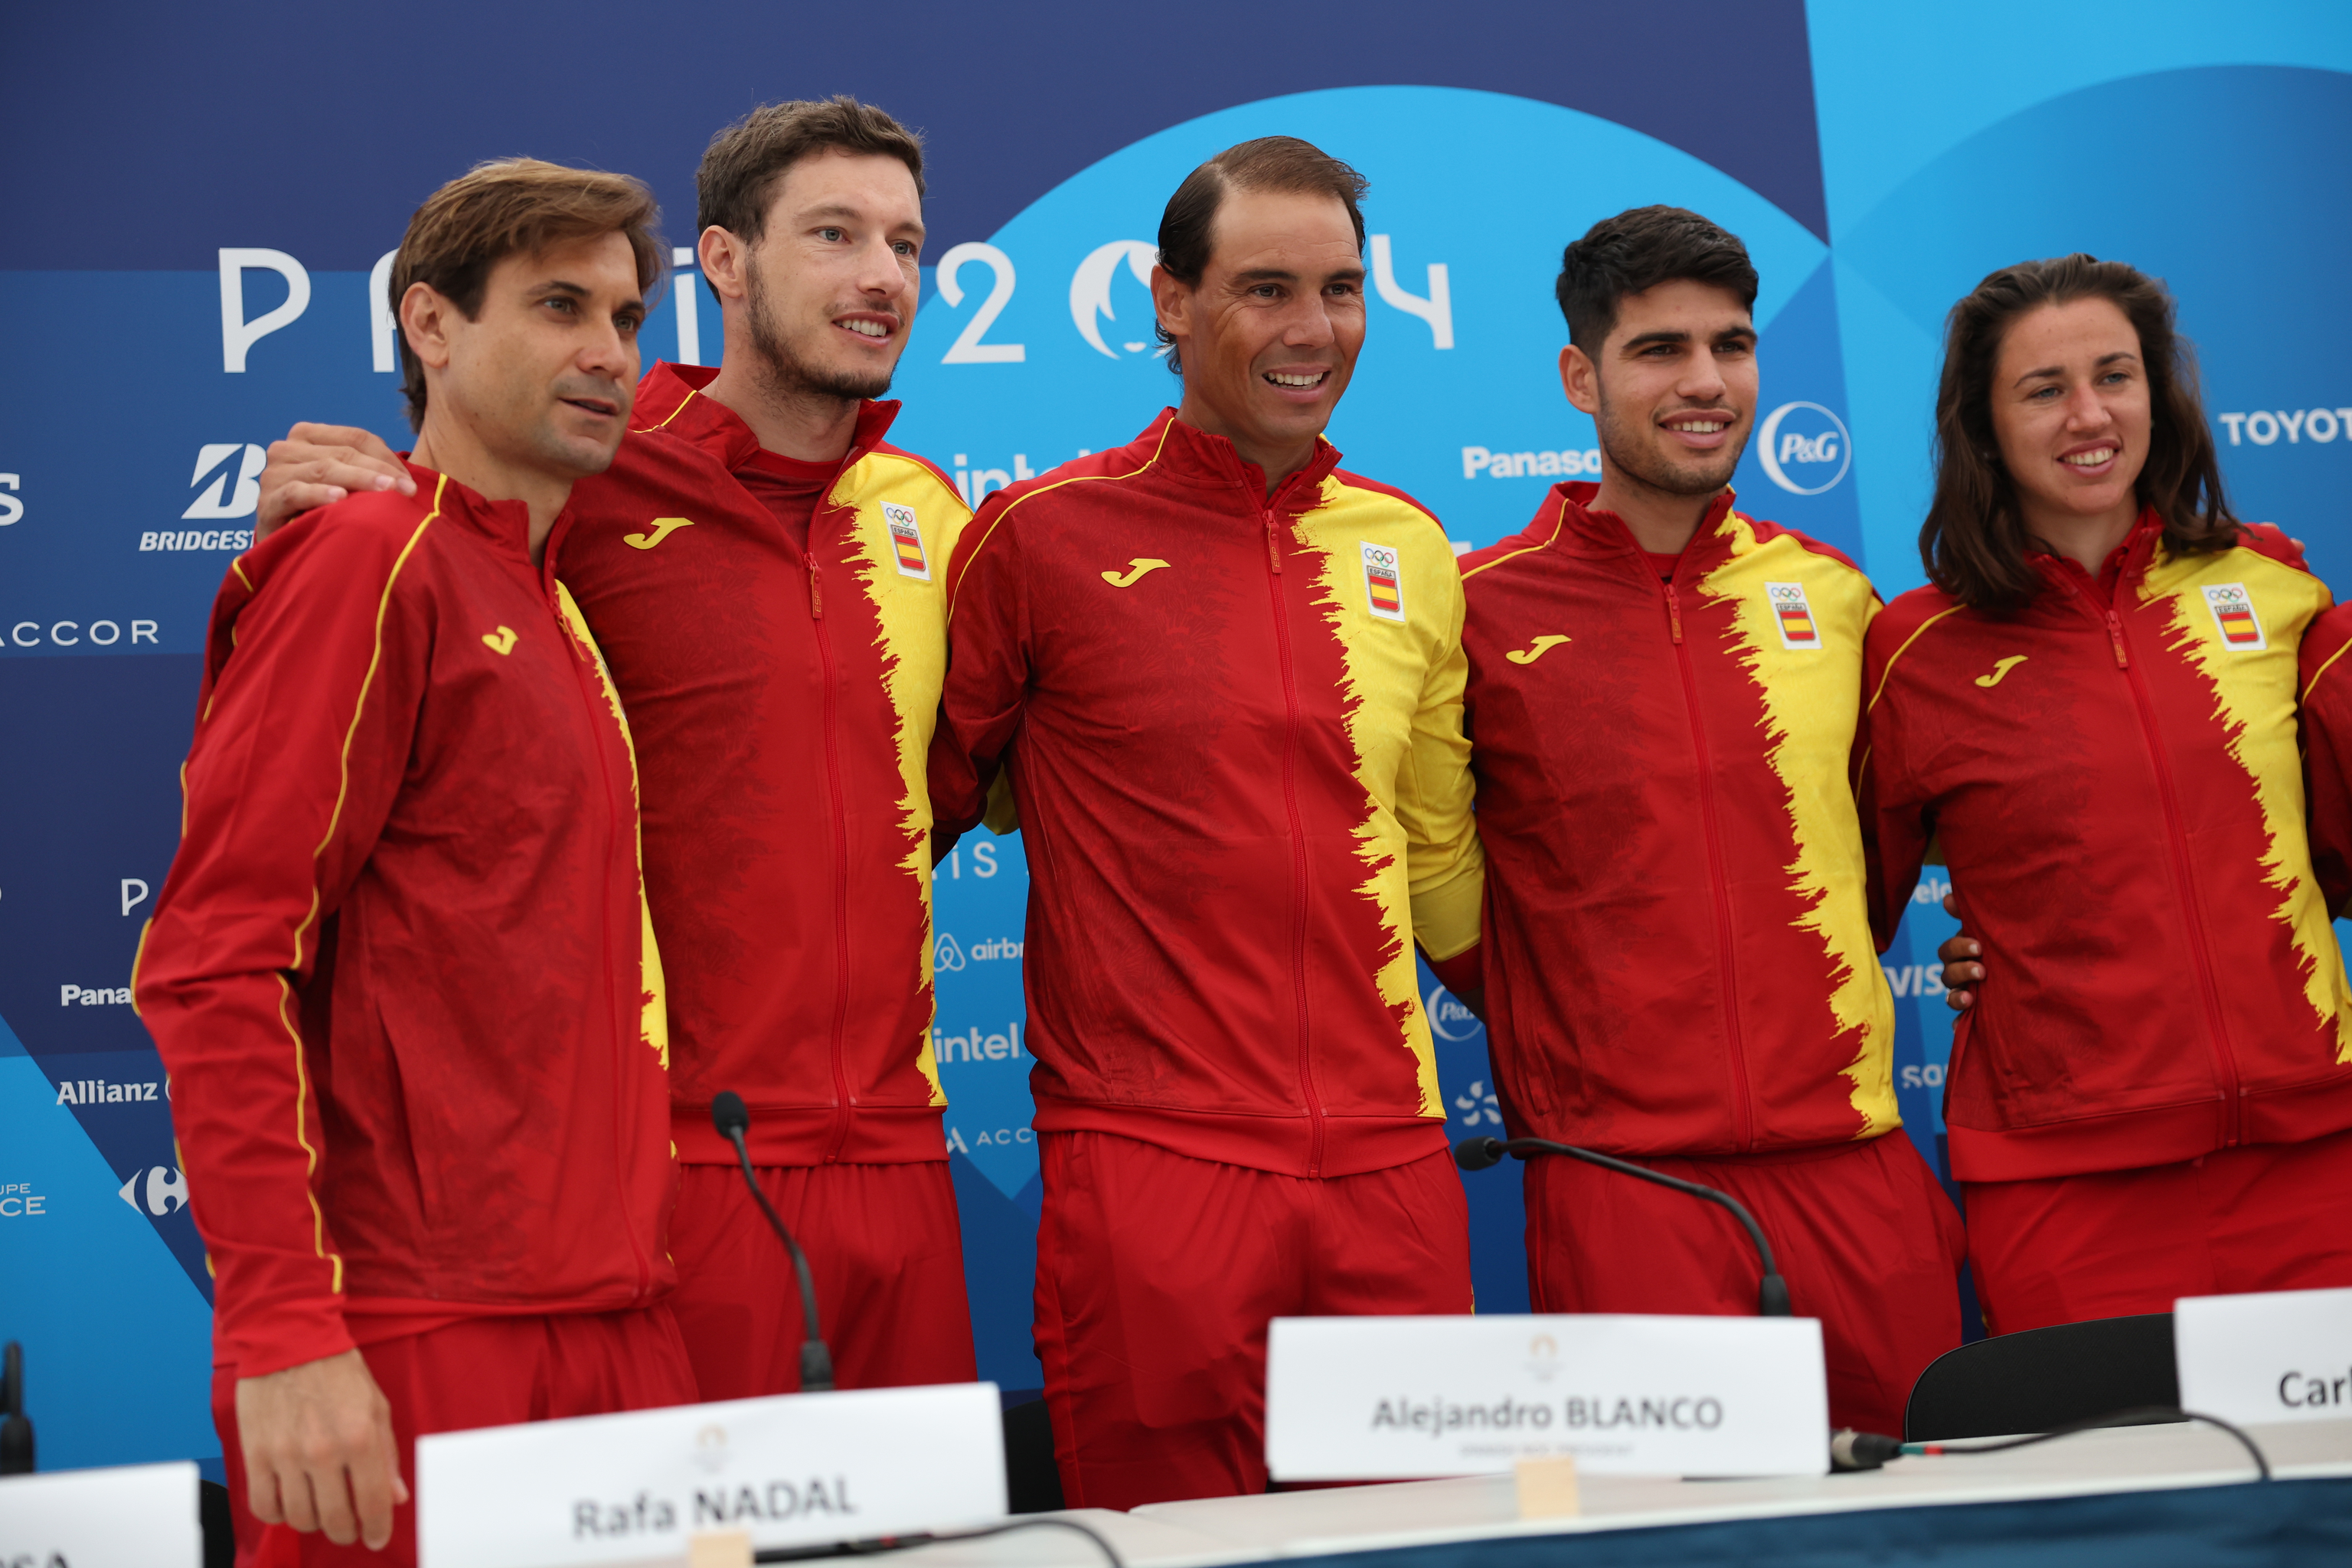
(795, 1470)
(1391, 1398)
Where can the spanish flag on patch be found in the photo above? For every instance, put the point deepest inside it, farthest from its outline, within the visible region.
(1384, 588)
(2234, 617)
(1793, 614)
(906, 541)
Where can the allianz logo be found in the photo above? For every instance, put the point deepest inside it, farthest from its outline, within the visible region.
(156, 1191)
(948, 955)
(104, 1091)
(2263, 427)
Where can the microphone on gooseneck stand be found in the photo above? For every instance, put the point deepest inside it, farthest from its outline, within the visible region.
(732, 1118)
(15, 1430)
(1771, 1293)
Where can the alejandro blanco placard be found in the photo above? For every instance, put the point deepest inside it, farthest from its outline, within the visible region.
(2279, 1355)
(1392, 1398)
(793, 1469)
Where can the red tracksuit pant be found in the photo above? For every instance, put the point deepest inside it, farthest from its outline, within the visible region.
(483, 1372)
(883, 1247)
(1156, 1275)
(1867, 1241)
(2272, 1217)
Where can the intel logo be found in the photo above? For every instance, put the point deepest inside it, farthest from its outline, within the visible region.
(1804, 448)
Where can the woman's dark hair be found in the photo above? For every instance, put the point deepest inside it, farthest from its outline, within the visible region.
(1974, 541)
(1283, 164)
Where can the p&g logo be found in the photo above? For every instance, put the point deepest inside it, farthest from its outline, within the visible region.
(1804, 448)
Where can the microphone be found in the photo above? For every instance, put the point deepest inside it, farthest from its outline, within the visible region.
(733, 1119)
(1771, 1293)
(16, 1429)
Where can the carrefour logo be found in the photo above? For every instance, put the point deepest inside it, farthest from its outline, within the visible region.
(1804, 448)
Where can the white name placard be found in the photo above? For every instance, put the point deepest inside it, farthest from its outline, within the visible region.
(2283, 1355)
(1393, 1398)
(140, 1516)
(792, 1470)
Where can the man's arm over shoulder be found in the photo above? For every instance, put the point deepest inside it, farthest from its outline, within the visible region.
(1446, 866)
(319, 465)
(1897, 826)
(302, 739)
(2326, 719)
(987, 666)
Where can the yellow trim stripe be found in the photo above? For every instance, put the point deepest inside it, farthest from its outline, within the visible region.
(285, 987)
(1884, 674)
(1559, 522)
(301, 1092)
(237, 566)
(1074, 479)
(375, 658)
(690, 395)
(2324, 668)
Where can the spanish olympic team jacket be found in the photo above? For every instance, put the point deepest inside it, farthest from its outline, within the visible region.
(1677, 953)
(2113, 774)
(783, 701)
(1234, 730)
(401, 972)
(2327, 752)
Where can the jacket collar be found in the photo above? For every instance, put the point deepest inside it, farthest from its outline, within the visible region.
(505, 524)
(2129, 561)
(1190, 454)
(669, 399)
(1568, 520)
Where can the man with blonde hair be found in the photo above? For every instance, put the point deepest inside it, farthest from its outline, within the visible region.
(401, 972)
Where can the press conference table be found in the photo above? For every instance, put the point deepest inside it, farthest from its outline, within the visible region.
(2143, 1496)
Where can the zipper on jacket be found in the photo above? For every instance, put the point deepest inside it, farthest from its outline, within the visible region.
(1742, 1096)
(1297, 840)
(2225, 1061)
(587, 679)
(843, 1102)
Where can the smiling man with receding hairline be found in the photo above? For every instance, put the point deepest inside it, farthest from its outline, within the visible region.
(1224, 678)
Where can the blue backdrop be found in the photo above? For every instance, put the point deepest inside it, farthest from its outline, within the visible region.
(196, 200)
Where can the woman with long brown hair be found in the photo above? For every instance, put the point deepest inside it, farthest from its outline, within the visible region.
(2093, 709)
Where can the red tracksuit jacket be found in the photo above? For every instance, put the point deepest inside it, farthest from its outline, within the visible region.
(2327, 752)
(2114, 777)
(401, 972)
(1234, 727)
(783, 701)
(1677, 953)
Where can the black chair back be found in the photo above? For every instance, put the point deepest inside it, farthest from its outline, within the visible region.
(2042, 1378)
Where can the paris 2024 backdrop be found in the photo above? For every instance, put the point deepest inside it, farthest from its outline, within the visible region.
(204, 201)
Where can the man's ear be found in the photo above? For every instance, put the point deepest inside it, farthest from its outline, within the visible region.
(725, 259)
(1171, 302)
(1580, 379)
(426, 319)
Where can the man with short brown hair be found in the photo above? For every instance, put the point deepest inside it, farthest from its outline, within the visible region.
(1226, 678)
(763, 571)
(401, 972)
